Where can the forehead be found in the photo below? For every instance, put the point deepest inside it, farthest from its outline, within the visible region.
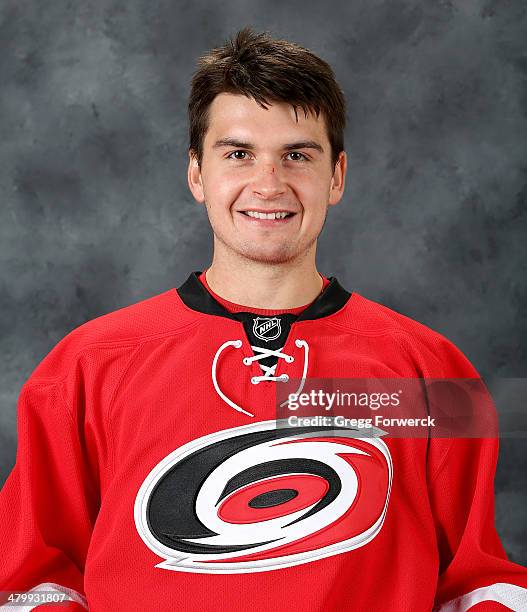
(235, 115)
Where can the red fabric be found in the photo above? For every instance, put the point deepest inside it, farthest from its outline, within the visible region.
(232, 307)
(120, 395)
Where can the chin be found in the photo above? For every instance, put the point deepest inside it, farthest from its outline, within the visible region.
(274, 256)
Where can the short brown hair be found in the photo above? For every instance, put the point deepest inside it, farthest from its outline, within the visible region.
(267, 70)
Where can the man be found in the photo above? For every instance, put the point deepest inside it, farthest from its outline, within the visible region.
(152, 473)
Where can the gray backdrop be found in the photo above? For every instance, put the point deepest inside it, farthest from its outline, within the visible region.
(95, 211)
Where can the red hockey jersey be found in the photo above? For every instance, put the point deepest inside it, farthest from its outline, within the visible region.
(150, 474)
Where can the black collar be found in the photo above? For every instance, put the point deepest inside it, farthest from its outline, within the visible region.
(195, 295)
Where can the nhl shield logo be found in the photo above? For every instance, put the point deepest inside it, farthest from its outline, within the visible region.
(267, 328)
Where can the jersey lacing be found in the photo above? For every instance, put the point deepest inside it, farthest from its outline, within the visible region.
(269, 370)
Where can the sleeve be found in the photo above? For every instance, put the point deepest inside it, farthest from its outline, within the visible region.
(475, 572)
(474, 568)
(46, 506)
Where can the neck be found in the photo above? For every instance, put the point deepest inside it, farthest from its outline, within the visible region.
(263, 285)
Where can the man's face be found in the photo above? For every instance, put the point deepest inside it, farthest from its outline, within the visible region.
(263, 160)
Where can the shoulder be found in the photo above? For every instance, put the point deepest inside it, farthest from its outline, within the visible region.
(371, 317)
(118, 332)
(436, 354)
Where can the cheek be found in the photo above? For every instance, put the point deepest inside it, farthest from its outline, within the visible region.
(310, 181)
(222, 187)
(314, 197)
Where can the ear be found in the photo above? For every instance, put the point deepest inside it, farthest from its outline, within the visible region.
(338, 180)
(194, 179)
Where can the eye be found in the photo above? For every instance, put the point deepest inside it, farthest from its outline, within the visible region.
(233, 153)
(301, 158)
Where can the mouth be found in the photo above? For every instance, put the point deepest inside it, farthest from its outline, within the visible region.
(267, 219)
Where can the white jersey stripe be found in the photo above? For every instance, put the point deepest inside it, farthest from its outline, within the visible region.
(47, 587)
(510, 595)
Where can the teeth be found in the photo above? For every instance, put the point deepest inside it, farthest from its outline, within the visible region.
(259, 215)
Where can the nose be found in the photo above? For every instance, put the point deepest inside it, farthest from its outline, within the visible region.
(267, 183)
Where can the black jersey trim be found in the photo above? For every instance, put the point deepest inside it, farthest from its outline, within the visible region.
(195, 295)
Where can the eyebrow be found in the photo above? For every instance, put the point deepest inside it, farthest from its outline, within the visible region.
(239, 144)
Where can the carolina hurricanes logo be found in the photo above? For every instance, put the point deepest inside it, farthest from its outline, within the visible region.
(267, 328)
(259, 498)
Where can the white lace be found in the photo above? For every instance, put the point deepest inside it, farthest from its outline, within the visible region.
(268, 370)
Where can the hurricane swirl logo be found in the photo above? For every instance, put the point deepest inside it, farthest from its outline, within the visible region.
(264, 497)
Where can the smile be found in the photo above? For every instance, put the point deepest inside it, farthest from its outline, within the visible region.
(272, 216)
